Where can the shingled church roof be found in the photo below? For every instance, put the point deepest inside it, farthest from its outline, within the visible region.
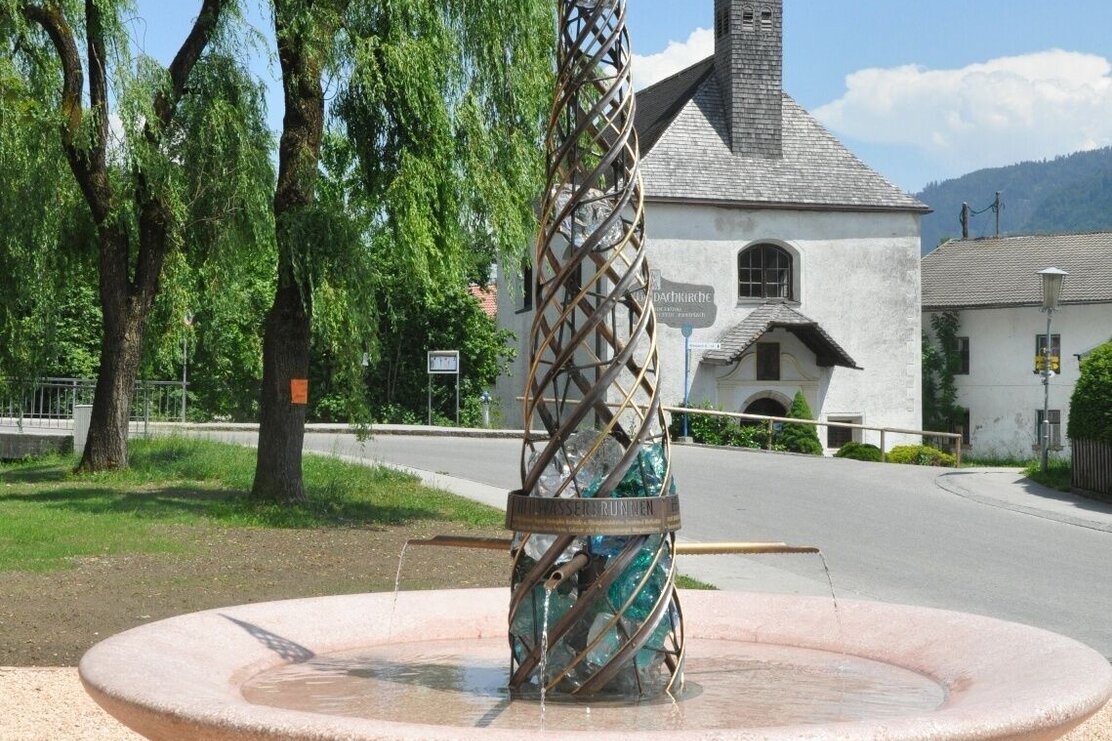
(686, 155)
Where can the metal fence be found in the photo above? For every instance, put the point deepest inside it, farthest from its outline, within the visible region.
(1092, 467)
(49, 402)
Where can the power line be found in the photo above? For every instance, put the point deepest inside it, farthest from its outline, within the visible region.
(996, 206)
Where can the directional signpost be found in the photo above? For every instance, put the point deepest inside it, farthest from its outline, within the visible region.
(686, 330)
(688, 346)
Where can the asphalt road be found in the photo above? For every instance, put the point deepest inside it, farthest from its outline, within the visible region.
(888, 532)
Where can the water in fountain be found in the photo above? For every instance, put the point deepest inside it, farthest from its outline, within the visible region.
(466, 684)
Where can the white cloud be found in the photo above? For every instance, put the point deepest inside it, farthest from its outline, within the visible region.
(677, 56)
(996, 113)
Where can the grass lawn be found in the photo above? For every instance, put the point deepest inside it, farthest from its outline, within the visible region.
(49, 516)
(1059, 474)
(84, 557)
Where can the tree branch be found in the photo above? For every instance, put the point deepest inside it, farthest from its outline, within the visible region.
(87, 168)
(166, 102)
(154, 216)
(98, 86)
(54, 23)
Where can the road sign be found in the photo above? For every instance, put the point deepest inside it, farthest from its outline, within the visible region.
(705, 345)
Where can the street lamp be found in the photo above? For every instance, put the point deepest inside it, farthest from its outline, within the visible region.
(1052, 279)
(187, 320)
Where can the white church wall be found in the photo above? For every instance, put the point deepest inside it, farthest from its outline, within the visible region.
(858, 277)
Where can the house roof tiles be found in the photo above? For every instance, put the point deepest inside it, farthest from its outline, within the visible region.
(487, 297)
(1001, 271)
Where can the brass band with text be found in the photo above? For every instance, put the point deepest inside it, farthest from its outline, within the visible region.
(581, 516)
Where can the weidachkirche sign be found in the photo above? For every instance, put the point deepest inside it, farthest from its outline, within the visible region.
(678, 304)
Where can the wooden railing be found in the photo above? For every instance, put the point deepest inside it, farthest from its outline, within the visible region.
(770, 421)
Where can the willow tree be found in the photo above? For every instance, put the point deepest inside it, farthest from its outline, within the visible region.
(172, 162)
(430, 151)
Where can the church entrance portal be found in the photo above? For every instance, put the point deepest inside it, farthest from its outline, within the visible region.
(767, 407)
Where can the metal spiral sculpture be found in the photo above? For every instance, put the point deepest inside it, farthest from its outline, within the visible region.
(594, 608)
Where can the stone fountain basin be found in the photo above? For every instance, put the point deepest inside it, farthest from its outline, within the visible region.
(181, 677)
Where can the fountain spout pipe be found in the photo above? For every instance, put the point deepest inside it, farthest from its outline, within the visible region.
(567, 570)
(682, 549)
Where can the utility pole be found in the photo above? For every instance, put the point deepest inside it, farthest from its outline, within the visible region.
(996, 209)
(965, 221)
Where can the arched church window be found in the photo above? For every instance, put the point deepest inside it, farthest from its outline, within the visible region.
(764, 271)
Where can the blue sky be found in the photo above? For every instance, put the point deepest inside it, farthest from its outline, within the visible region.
(922, 90)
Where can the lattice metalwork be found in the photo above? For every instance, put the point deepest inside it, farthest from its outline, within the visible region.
(594, 609)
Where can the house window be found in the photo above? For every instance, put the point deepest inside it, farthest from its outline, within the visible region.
(1055, 416)
(747, 19)
(766, 21)
(527, 288)
(1055, 352)
(963, 357)
(764, 271)
(768, 361)
(836, 437)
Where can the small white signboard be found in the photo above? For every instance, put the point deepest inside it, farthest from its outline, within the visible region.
(705, 345)
(444, 362)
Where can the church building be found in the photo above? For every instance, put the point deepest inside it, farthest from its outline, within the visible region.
(789, 264)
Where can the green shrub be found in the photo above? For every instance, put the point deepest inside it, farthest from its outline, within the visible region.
(1091, 403)
(859, 452)
(799, 438)
(919, 455)
(707, 429)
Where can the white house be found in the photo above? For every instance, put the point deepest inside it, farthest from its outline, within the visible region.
(993, 287)
(768, 237)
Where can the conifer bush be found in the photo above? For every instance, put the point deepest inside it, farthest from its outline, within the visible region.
(800, 438)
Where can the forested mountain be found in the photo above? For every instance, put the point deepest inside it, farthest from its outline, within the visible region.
(1072, 193)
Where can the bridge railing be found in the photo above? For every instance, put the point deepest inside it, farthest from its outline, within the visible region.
(49, 402)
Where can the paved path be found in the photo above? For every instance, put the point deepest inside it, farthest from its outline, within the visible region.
(982, 541)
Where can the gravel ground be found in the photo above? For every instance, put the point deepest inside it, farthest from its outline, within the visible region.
(49, 704)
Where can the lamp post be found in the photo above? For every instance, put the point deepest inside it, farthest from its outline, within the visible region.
(187, 320)
(1052, 279)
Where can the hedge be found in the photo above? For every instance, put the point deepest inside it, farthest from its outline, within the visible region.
(859, 452)
(920, 455)
(1091, 403)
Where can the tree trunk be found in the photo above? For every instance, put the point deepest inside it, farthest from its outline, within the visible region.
(124, 318)
(281, 422)
(287, 332)
(120, 352)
